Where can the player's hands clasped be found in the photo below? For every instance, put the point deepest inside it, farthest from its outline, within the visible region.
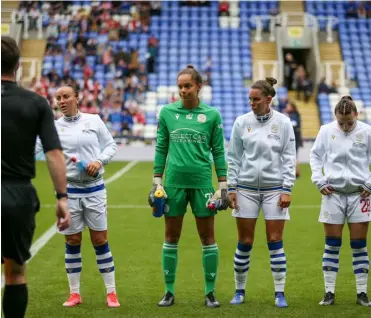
(327, 190)
(93, 168)
(63, 215)
(365, 192)
(284, 201)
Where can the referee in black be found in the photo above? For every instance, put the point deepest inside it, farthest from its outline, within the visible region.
(24, 116)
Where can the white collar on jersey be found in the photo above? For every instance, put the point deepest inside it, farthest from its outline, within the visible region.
(72, 118)
(264, 118)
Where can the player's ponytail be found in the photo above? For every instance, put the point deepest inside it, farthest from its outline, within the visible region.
(345, 106)
(266, 86)
(191, 70)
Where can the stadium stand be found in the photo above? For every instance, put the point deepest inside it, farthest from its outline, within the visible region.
(354, 32)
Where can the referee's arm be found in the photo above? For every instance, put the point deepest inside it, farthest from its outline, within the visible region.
(52, 148)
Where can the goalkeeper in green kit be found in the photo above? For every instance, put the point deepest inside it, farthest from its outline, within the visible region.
(188, 132)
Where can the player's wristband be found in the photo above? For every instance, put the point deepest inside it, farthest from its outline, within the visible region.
(286, 190)
(223, 185)
(61, 195)
(157, 180)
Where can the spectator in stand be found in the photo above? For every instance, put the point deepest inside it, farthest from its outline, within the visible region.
(108, 60)
(34, 14)
(155, 7)
(351, 9)
(367, 5)
(289, 70)
(323, 87)
(292, 112)
(127, 124)
(115, 118)
(302, 83)
(362, 13)
(224, 8)
(52, 31)
(152, 54)
(333, 88)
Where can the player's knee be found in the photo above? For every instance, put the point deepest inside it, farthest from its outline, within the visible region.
(98, 238)
(74, 239)
(14, 273)
(246, 240)
(207, 240)
(171, 238)
(274, 237)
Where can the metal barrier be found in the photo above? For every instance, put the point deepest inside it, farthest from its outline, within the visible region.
(28, 69)
(330, 69)
(292, 19)
(16, 17)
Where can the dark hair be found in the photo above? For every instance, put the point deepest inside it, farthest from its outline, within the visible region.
(266, 86)
(345, 106)
(190, 70)
(10, 55)
(74, 88)
(293, 104)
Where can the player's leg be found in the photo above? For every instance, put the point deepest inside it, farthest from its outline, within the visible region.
(95, 217)
(332, 215)
(359, 212)
(18, 207)
(275, 218)
(210, 253)
(246, 216)
(177, 201)
(73, 259)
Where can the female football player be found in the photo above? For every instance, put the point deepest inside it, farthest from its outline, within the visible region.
(84, 137)
(261, 173)
(188, 132)
(343, 150)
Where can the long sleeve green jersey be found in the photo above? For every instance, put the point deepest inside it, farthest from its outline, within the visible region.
(185, 139)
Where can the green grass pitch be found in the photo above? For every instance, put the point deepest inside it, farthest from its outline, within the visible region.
(136, 239)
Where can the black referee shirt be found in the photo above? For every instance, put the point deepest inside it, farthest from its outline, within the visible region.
(24, 116)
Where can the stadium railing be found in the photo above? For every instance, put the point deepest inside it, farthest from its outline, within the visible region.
(334, 70)
(16, 18)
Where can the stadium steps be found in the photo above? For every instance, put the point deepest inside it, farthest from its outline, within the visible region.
(310, 122)
(8, 5)
(263, 51)
(331, 52)
(293, 7)
(33, 49)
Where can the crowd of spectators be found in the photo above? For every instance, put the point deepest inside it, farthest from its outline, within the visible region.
(117, 100)
(360, 9)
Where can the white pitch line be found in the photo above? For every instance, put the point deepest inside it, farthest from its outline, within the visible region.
(41, 242)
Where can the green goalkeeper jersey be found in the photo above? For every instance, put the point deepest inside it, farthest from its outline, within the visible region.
(185, 139)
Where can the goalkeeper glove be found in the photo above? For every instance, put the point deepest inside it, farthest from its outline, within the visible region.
(157, 186)
(219, 200)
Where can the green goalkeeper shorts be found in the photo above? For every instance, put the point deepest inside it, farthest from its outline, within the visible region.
(178, 199)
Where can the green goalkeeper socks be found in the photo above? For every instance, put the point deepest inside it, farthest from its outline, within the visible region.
(169, 262)
(210, 263)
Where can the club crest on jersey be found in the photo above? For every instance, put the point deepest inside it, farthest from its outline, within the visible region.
(201, 118)
(189, 116)
(326, 214)
(359, 137)
(333, 137)
(275, 129)
(177, 116)
(62, 129)
(248, 129)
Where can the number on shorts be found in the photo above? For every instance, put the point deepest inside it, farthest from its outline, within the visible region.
(208, 196)
(365, 205)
